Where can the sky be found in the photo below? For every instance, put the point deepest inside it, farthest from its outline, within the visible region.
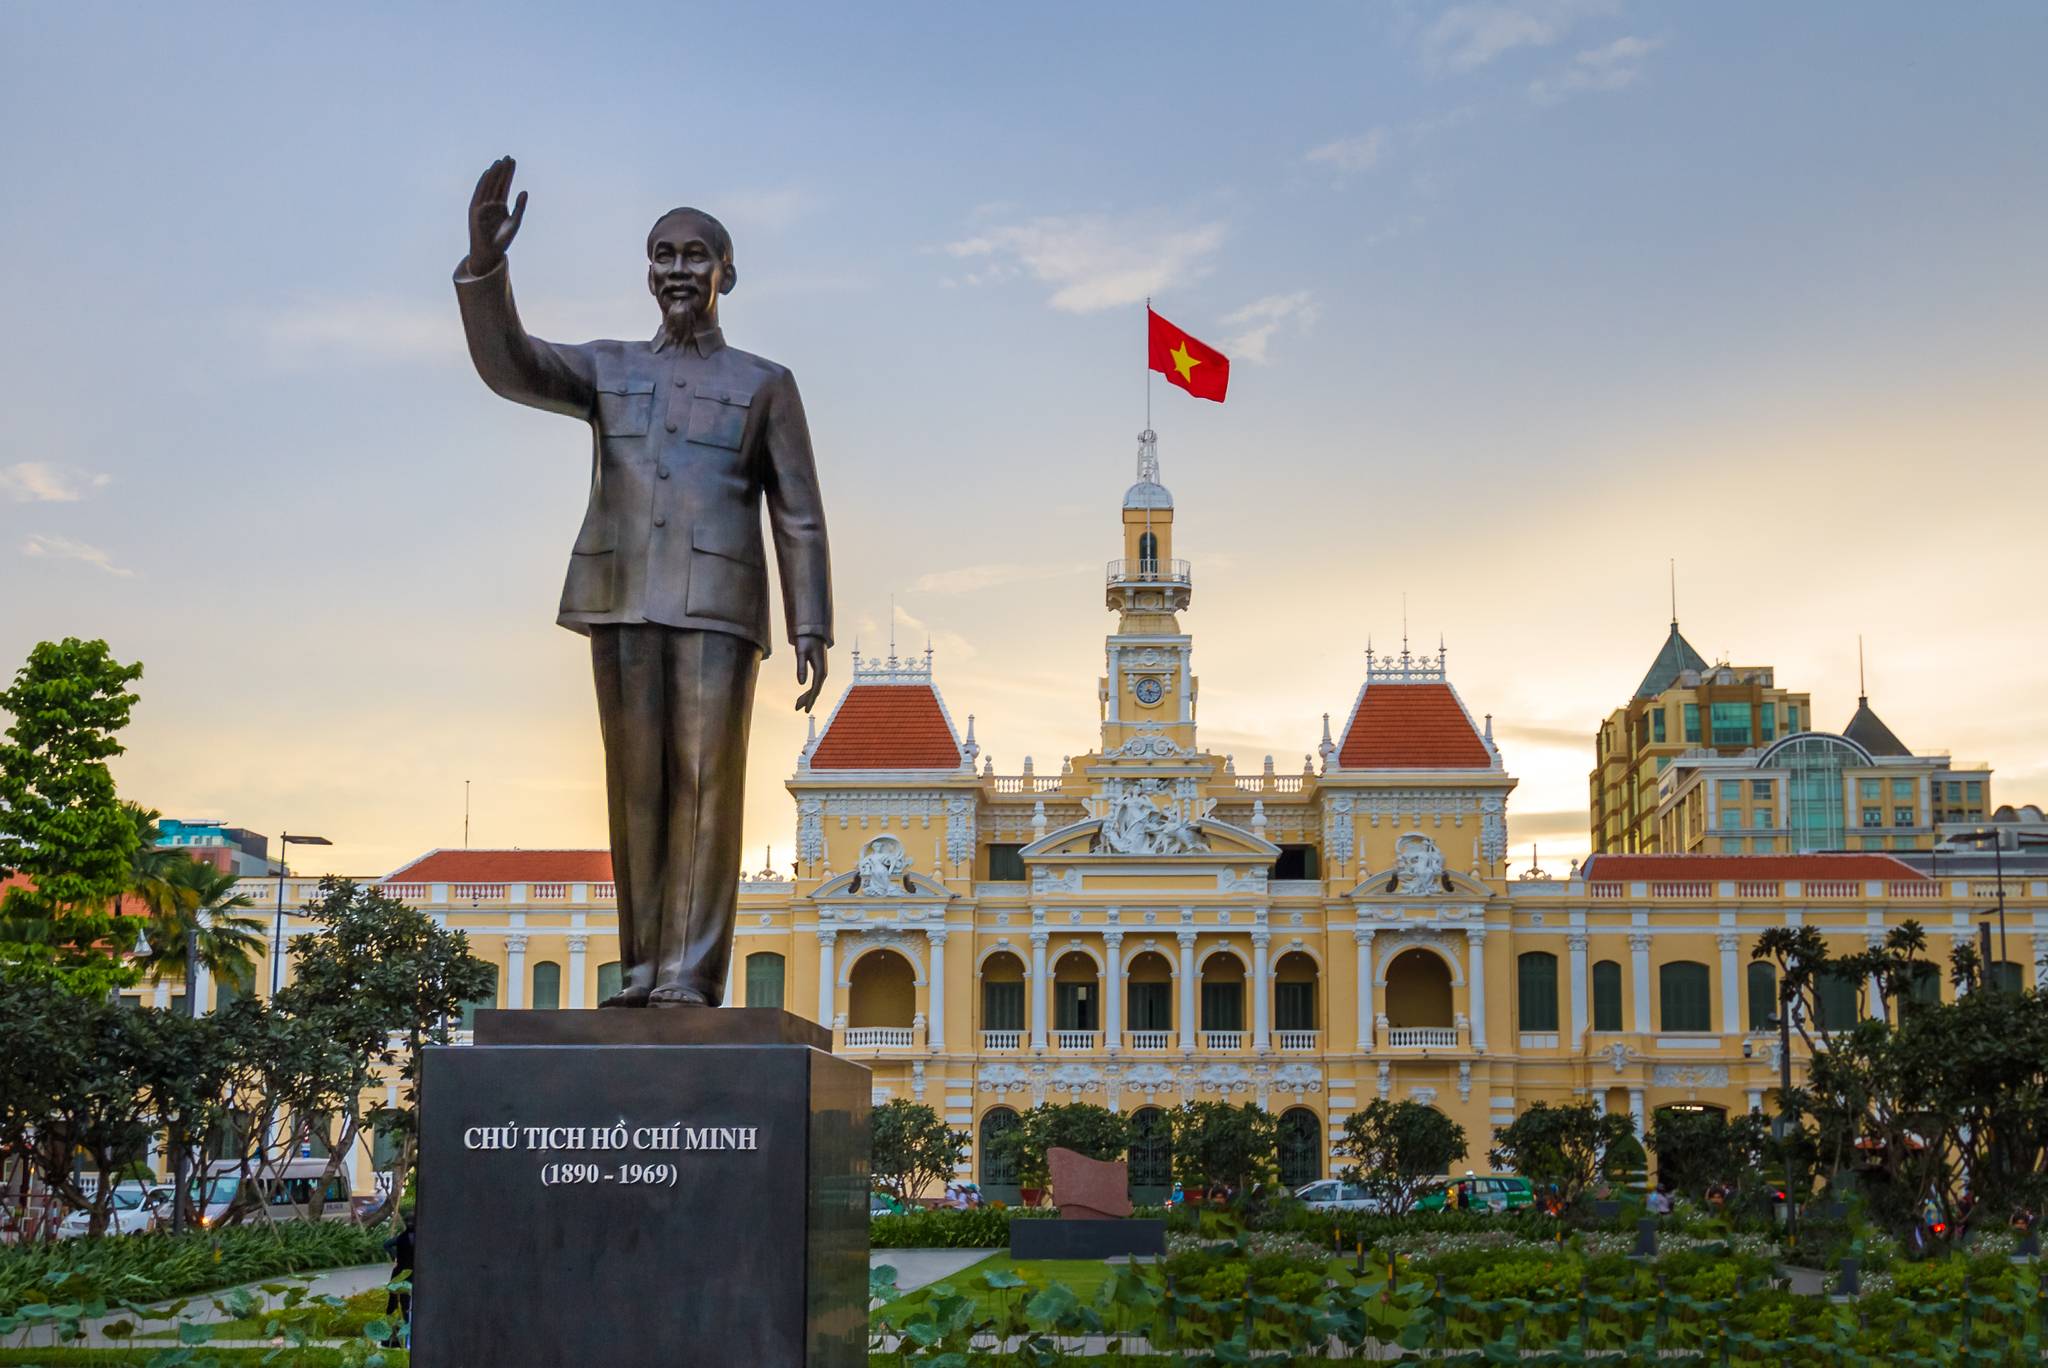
(1525, 301)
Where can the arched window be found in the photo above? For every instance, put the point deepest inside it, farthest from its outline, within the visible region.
(1223, 993)
(2006, 976)
(1684, 999)
(1536, 990)
(547, 986)
(609, 980)
(1606, 996)
(997, 1170)
(1076, 1003)
(487, 998)
(1002, 992)
(1301, 1147)
(1148, 551)
(1763, 994)
(1294, 993)
(764, 979)
(1925, 985)
(881, 990)
(1151, 992)
(1838, 1004)
(1419, 990)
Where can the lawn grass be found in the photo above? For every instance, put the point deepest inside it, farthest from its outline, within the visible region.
(122, 1358)
(1083, 1277)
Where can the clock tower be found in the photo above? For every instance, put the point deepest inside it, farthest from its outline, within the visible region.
(1148, 694)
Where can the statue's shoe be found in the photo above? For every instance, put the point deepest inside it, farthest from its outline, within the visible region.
(676, 997)
(627, 997)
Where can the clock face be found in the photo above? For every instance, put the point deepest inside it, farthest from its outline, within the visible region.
(1149, 690)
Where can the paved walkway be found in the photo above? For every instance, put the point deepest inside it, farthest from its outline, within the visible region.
(916, 1268)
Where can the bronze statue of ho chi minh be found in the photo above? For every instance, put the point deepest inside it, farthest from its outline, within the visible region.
(668, 577)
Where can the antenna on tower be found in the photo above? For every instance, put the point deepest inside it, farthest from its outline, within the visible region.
(1674, 590)
(465, 814)
(892, 631)
(1862, 693)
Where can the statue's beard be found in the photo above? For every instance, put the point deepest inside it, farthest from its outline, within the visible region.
(682, 318)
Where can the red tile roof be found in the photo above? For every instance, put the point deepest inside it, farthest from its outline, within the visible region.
(507, 866)
(887, 727)
(1411, 726)
(1844, 866)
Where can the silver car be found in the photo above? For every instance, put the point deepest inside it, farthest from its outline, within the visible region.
(1333, 1194)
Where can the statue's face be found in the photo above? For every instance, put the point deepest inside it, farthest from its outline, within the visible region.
(685, 273)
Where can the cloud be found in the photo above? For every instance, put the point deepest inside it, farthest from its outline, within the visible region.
(1613, 66)
(1093, 261)
(47, 544)
(1261, 318)
(968, 579)
(1467, 37)
(366, 329)
(41, 482)
(1350, 155)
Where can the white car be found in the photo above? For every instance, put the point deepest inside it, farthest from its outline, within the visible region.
(1332, 1194)
(133, 1211)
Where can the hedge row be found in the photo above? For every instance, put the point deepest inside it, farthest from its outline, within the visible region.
(159, 1264)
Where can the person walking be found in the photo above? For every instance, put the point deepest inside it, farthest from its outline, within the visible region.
(400, 1248)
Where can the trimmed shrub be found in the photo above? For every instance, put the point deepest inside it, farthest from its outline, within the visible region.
(159, 1264)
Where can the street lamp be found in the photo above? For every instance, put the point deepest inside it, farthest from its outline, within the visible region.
(285, 841)
(1977, 838)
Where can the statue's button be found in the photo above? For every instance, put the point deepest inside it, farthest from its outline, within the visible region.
(661, 520)
(671, 425)
(662, 471)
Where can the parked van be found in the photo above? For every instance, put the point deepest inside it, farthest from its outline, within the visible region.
(287, 1192)
(1482, 1192)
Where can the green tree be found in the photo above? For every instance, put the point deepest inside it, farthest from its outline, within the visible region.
(378, 979)
(1561, 1145)
(1218, 1145)
(912, 1148)
(193, 926)
(1697, 1148)
(73, 1088)
(1083, 1127)
(1401, 1148)
(61, 825)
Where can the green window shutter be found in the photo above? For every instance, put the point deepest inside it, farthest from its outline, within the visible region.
(1763, 994)
(488, 998)
(1682, 986)
(1223, 1007)
(609, 980)
(1837, 1001)
(1607, 996)
(1151, 1007)
(765, 979)
(1536, 990)
(1002, 1006)
(1294, 1006)
(547, 986)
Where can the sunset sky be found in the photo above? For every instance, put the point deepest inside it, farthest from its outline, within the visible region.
(1523, 300)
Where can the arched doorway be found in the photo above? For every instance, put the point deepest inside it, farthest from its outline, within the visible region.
(1301, 1147)
(1294, 1001)
(1002, 1002)
(881, 996)
(1076, 1002)
(1223, 1001)
(998, 1174)
(1418, 1000)
(1150, 1018)
(1150, 1157)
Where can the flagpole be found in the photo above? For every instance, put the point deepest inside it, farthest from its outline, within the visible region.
(1148, 363)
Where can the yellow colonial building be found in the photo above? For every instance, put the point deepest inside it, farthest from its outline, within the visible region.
(1147, 927)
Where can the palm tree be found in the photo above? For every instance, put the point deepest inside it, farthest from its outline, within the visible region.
(150, 865)
(193, 926)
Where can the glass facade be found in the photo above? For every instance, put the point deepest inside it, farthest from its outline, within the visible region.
(1813, 789)
(1692, 721)
(1731, 724)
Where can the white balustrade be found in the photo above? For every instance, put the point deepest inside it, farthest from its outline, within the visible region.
(1148, 1040)
(1223, 1040)
(881, 1037)
(1077, 1040)
(1298, 1040)
(1422, 1037)
(1002, 1040)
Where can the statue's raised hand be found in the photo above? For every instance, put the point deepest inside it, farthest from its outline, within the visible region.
(492, 222)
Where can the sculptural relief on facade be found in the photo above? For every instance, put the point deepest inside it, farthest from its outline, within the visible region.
(1146, 818)
(883, 862)
(1418, 865)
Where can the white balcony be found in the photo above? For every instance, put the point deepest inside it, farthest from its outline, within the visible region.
(1002, 1040)
(1422, 1037)
(881, 1037)
(1223, 1040)
(1077, 1040)
(1148, 1040)
(1298, 1040)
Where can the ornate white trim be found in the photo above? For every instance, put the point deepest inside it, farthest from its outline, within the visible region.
(1442, 944)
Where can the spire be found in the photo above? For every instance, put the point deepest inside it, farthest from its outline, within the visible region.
(1866, 728)
(1674, 658)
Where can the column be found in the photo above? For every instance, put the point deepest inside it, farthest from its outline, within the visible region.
(2040, 939)
(935, 993)
(1756, 1099)
(200, 992)
(828, 975)
(1113, 991)
(732, 964)
(1362, 937)
(577, 945)
(1187, 990)
(1475, 991)
(1041, 989)
(1873, 987)
(1262, 993)
(1639, 966)
(1731, 984)
(1113, 713)
(1635, 1110)
(514, 995)
(1582, 991)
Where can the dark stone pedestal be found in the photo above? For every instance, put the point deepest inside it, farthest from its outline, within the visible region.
(683, 1187)
(1065, 1239)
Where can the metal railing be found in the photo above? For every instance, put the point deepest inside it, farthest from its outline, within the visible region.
(1149, 572)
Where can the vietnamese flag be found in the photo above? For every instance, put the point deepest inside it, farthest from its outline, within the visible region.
(1195, 366)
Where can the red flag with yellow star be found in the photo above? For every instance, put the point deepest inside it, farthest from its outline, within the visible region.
(1195, 366)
